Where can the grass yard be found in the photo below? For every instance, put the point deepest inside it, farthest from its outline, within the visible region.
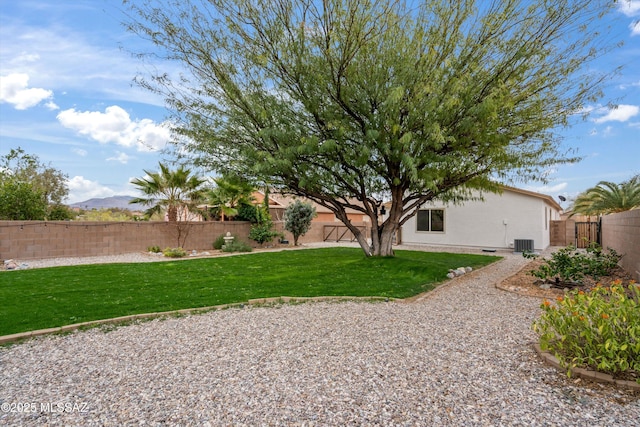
(57, 296)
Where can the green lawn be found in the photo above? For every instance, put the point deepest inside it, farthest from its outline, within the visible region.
(52, 297)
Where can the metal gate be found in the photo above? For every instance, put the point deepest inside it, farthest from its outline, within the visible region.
(587, 233)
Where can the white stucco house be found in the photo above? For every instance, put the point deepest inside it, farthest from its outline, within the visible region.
(515, 219)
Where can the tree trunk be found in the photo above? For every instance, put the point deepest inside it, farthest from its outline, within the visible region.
(172, 214)
(381, 240)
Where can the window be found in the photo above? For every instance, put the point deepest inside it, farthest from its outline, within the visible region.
(430, 220)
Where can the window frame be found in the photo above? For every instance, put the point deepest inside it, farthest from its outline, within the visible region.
(430, 221)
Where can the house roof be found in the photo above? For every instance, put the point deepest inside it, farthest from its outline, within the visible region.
(550, 200)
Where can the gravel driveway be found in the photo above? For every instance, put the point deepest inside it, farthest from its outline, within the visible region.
(459, 356)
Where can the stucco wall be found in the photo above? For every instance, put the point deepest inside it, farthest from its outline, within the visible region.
(621, 232)
(492, 223)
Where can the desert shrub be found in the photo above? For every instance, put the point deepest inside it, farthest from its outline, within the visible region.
(155, 249)
(174, 252)
(572, 265)
(237, 246)
(597, 329)
(219, 242)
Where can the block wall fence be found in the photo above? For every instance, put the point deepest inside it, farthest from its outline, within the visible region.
(621, 232)
(26, 240)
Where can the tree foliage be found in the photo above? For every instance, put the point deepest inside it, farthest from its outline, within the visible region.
(177, 191)
(20, 201)
(297, 219)
(31, 190)
(349, 102)
(608, 197)
(228, 195)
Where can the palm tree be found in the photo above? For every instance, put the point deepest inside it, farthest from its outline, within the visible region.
(228, 194)
(170, 190)
(608, 197)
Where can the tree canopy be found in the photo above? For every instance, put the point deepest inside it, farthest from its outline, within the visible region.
(177, 191)
(608, 197)
(352, 102)
(298, 217)
(30, 189)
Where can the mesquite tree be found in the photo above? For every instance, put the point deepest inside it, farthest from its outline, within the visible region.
(352, 102)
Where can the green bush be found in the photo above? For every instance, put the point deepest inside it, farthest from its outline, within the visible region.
(247, 212)
(263, 232)
(174, 252)
(237, 246)
(598, 329)
(155, 249)
(219, 242)
(572, 265)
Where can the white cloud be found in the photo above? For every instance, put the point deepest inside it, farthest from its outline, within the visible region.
(64, 59)
(52, 106)
(620, 114)
(80, 152)
(625, 86)
(629, 7)
(81, 189)
(14, 90)
(546, 189)
(608, 131)
(635, 28)
(121, 157)
(115, 126)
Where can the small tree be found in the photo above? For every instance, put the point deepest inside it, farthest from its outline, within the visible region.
(262, 231)
(177, 191)
(297, 217)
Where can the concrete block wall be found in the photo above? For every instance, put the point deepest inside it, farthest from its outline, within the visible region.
(25, 240)
(621, 232)
(50, 239)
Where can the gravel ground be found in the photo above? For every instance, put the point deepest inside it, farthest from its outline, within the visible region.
(460, 355)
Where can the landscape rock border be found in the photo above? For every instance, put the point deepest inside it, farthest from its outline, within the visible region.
(586, 374)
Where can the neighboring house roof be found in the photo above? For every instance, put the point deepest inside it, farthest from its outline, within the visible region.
(278, 200)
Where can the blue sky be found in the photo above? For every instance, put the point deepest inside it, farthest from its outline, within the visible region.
(67, 96)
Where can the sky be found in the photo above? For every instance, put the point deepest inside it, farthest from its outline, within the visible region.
(67, 95)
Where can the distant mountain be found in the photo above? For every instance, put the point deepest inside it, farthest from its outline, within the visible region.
(121, 202)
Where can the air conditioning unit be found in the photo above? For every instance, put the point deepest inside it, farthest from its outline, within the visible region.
(522, 245)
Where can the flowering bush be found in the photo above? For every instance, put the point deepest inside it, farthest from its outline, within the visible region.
(598, 329)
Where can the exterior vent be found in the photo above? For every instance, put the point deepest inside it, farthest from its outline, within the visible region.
(522, 245)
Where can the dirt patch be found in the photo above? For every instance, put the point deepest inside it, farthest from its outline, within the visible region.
(524, 283)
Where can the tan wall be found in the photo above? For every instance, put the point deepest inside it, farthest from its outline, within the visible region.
(50, 239)
(621, 232)
(47, 239)
(319, 230)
